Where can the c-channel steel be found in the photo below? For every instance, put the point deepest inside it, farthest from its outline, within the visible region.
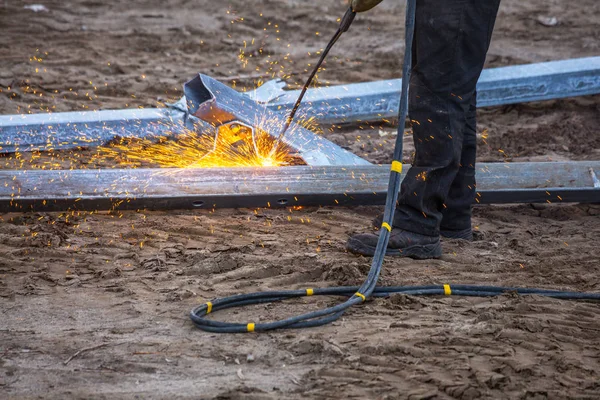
(56, 131)
(212, 101)
(375, 101)
(58, 190)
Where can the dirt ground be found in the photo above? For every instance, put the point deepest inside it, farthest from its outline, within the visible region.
(95, 306)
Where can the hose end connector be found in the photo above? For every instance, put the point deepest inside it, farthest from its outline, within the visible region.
(347, 20)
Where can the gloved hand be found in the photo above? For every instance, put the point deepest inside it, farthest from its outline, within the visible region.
(364, 5)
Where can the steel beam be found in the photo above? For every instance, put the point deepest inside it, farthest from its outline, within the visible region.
(39, 132)
(208, 104)
(375, 101)
(44, 190)
(211, 101)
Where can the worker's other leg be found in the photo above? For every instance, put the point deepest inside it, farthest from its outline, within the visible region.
(451, 41)
(456, 212)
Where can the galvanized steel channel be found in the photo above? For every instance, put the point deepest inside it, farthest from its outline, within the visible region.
(211, 101)
(375, 101)
(209, 104)
(108, 189)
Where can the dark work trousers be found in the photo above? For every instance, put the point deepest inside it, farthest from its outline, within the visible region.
(451, 40)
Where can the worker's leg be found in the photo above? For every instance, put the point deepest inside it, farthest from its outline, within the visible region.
(451, 41)
(449, 49)
(456, 212)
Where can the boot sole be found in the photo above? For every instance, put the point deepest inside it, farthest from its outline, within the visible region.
(419, 252)
(467, 234)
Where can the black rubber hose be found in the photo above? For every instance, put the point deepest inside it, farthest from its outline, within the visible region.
(358, 295)
(199, 314)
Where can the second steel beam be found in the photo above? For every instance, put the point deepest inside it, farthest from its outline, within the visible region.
(47, 190)
(375, 101)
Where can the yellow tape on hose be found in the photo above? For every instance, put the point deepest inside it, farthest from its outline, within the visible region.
(250, 327)
(208, 307)
(386, 226)
(397, 166)
(447, 290)
(362, 296)
(310, 292)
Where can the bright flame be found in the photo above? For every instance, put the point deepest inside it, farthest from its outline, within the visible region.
(234, 146)
(268, 162)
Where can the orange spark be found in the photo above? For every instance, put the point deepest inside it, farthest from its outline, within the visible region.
(234, 145)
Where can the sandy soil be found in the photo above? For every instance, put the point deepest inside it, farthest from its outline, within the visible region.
(94, 306)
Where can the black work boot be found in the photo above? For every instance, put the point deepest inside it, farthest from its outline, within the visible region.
(465, 234)
(402, 243)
